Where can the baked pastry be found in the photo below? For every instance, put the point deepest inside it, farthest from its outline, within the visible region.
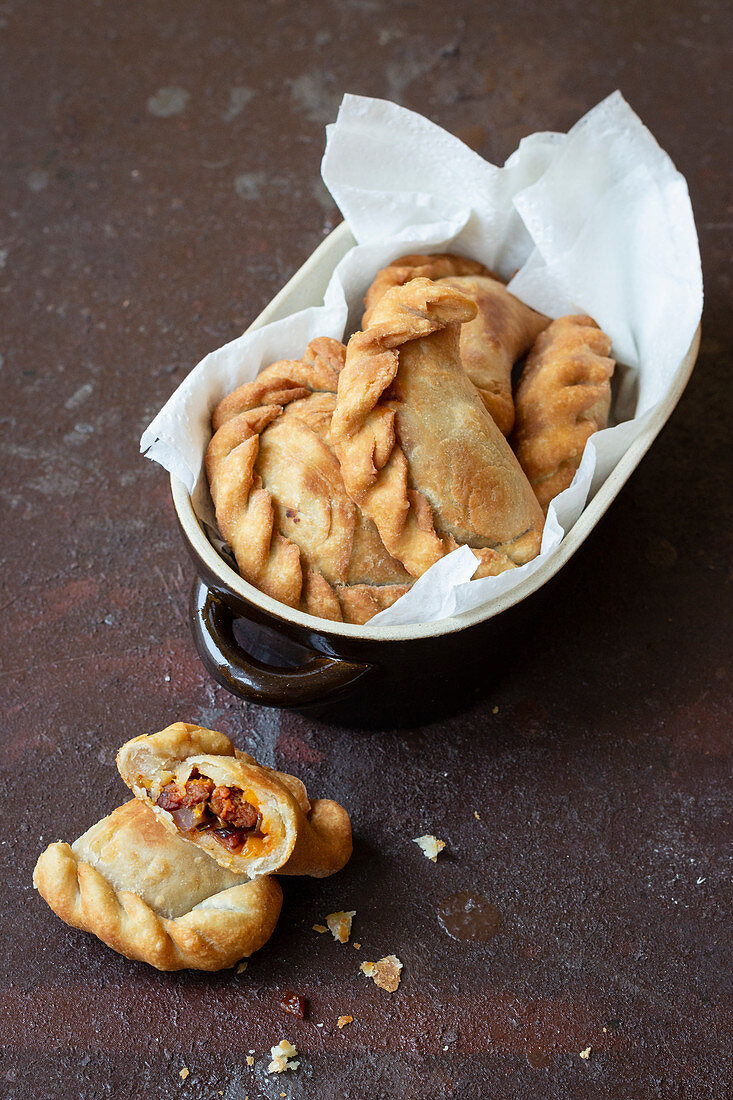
(563, 397)
(280, 500)
(419, 452)
(500, 333)
(250, 819)
(317, 372)
(439, 265)
(151, 896)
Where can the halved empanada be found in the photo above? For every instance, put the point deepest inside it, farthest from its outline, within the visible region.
(500, 333)
(280, 500)
(250, 819)
(563, 397)
(151, 896)
(419, 452)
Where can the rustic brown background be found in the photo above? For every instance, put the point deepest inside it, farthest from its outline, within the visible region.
(160, 182)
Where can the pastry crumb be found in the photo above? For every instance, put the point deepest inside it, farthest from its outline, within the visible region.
(430, 845)
(386, 972)
(242, 967)
(494, 710)
(339, 924)
(250, 1060)
(585, 1054)
(319, 928)
(356, 945)
(184, 1073)
(477, 815)
(343, 1021)
(282, 1057)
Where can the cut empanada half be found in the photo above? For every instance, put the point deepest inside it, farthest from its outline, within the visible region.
(250, 819)
(150, 896)
(280, 500)
(419, 452)
(562, 399)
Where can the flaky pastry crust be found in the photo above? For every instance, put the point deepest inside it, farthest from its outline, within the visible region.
(563, 397)
(302, 837)
(280, 500)
(419, 452)
(417, 266)
(500, 333)
(317, 372)
(151, 896)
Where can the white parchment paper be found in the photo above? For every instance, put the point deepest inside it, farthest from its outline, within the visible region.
(594, 221)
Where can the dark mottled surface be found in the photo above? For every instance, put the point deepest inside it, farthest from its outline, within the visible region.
(139, 229)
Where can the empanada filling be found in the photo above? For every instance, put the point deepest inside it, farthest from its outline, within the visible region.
(199, 805)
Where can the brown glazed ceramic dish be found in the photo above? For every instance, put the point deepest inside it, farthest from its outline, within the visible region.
(335, 658)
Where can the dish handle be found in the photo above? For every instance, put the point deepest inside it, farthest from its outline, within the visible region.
(317, 679)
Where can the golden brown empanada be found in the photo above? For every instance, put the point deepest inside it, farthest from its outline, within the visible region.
(563, 397)
(418, 266)
(317, 372)
(500, 333)
(419, 452)
(151, 896)
(280, 500)
(250, 819)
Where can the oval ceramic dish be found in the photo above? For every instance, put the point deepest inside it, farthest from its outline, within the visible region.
(342, 654)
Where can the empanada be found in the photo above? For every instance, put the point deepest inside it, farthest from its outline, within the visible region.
(317, 372)
(151, 896)
(419, 452)
(417, 266)
(250, 819)
(500, 333)
(280, 500)
(563, 397)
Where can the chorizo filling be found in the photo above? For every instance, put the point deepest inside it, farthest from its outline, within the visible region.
(198, 805)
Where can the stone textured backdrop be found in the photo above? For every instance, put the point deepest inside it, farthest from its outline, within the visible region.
(160, 182)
